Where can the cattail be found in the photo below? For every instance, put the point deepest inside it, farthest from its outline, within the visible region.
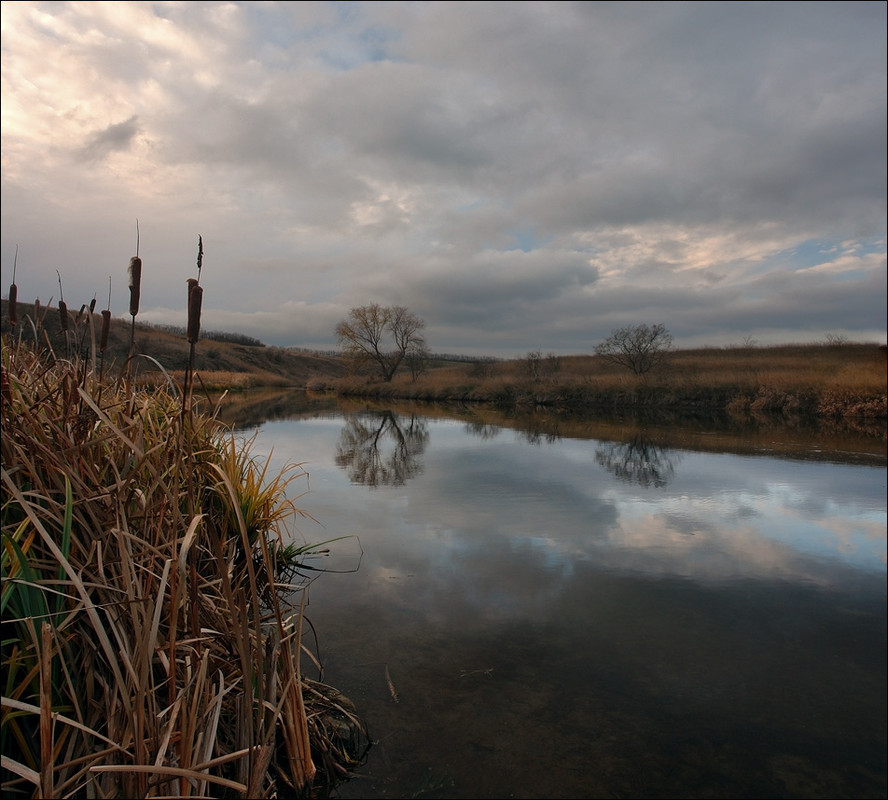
(13, 292)
(195, 298)
(106, 326)
(80, 314)
(92, 305)
(37, 309)
(135, 282)
(63, 314)
(13, 304)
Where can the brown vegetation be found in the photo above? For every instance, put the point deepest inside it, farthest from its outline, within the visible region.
(830, 381)
(152, 629)
(228, 362)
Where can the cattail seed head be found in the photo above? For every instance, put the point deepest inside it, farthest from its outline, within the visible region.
(135, 283)
(63, 314)
(13, 304)
(195, 298)
(106, 326)
(92, 305)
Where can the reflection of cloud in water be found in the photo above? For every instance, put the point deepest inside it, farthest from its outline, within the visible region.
(493, 527)
(724, 536)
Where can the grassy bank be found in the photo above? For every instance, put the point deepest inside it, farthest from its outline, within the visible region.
(826, 381)
(152, 623)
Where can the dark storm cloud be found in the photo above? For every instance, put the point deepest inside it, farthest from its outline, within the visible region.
(113, 139)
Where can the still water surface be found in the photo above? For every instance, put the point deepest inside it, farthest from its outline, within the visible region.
(527, 614)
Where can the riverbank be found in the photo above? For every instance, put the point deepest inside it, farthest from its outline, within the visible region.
(828, 382)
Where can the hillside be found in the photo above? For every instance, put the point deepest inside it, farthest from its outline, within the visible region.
(230, 359)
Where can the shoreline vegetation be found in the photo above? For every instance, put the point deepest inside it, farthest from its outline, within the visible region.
(832, 381)
(816, 381)
(154, 587)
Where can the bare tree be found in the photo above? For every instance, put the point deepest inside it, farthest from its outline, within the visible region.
(532, 364)
(639, 348)
(381, 336)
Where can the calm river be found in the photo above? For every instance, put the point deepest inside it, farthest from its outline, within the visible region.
(538, 608)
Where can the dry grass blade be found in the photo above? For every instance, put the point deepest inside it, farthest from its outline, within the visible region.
(46, 757)
(147, 546)
(178, 772)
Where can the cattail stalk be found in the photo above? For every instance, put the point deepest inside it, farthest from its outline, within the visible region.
(195, 299)
(135, 289)
(63, 316)
(106, 326)
(13, 292)
(103, 336)
(135, 283)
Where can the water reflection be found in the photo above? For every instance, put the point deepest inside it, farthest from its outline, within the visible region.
(638, 461)
(600, 610)
(382, 448)
(483, 430)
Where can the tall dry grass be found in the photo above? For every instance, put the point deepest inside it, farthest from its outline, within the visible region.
(152, 622)
(820, 381)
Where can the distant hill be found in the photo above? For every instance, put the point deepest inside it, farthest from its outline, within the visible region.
(214, 352)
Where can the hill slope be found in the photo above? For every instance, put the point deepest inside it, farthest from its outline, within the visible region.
(272, 366)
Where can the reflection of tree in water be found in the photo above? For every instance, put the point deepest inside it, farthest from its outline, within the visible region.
(637, 461)
(528, 431)
(537, 437)
(363, 441)
(483, 430)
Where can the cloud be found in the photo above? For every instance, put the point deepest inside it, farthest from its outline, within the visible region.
(523, 177)
(114, 138)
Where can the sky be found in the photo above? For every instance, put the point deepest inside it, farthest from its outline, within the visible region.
(522, 176)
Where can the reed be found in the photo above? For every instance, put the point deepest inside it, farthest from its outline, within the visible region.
(151, 599)
(13, 293)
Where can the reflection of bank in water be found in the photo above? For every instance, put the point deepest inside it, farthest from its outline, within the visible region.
(638, 461)
(382, 448)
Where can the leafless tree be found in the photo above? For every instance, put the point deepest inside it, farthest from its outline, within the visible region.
(382, 336)
(639, 348)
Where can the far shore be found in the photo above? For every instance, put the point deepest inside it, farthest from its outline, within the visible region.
(830, 382)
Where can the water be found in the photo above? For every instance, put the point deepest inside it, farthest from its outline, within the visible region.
(521, 613)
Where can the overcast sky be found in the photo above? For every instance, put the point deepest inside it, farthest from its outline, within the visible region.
(522, 176)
